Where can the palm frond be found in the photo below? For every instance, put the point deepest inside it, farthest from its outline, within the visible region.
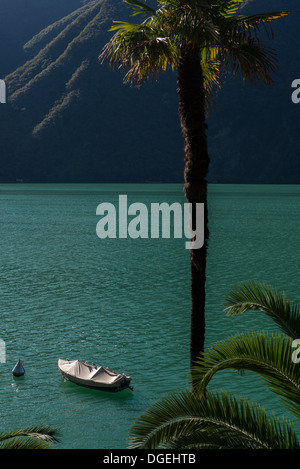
(252, 58)
(254, 296)
(229, 7)
(240, 45)
(269, 356)
(189, 23)
(140, 8)
(141, 49)
(252, 24)
(182, 420)
(211, 70)
(37, 437)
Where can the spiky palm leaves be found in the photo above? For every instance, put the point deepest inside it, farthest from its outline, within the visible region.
(201, 418)
(215, 29)
(182, 420)
(252, 296)
(270, 356)
(42, 437)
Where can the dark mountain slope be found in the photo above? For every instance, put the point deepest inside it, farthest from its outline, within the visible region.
(69, 119)
(253, 132)
(20, 20)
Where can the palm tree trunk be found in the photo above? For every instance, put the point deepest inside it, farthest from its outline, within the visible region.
(192, 116)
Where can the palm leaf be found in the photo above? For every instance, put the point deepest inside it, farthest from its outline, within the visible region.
(140, 8)
(141, 49)
(252, 58)
(254, 296)
(253, 23)
(211, 70)
(181, 420)
(38, 437)
(270, 356)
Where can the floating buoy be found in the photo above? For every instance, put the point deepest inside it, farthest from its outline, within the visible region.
(18, 369)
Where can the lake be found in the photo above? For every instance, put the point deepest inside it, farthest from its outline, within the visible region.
(125, 303)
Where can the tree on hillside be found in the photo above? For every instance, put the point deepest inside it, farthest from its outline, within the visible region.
(198, 39)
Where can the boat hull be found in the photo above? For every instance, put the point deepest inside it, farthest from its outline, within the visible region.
(98, 388)
(122, 383)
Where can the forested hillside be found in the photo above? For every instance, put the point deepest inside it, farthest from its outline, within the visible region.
(70, 119)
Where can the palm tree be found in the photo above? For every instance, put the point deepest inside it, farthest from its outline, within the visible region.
(201, 418)
(199, 39)
(42, 437)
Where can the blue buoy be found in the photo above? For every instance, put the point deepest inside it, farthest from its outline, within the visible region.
(18, 369)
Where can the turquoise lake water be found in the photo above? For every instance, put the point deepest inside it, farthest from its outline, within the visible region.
(125, 303)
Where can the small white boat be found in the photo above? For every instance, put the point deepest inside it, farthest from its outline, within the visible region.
(18, 369)
(92, 376)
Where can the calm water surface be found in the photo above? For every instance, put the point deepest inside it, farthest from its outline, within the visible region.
(125, 304)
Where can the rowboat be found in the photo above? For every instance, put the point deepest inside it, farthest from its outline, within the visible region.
(92, 376)
(18, 369)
